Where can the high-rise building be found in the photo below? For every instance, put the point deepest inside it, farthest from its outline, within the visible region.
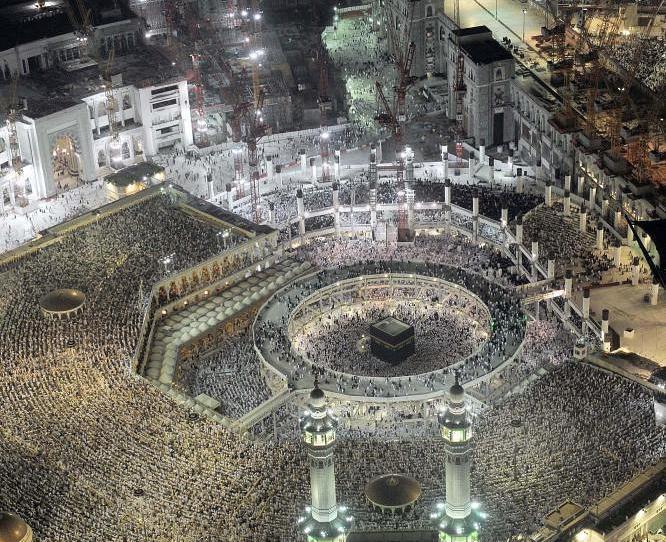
(323, 522)
(458, 517)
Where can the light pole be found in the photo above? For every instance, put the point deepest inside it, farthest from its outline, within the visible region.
(524, 13)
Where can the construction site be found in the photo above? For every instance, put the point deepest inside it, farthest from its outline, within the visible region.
(333, 271)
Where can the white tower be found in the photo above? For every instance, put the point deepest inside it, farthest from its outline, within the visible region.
(458, 518)
(323, 521)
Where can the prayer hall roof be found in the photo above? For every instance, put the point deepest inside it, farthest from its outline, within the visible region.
(393, 491)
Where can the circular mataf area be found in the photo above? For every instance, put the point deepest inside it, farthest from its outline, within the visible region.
(463, 323)
(62, 303)
(392, 492)
(450, 324)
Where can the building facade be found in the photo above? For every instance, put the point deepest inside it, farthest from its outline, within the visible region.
(487, 72)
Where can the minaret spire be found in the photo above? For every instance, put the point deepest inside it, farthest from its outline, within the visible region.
(318, 429)
(458, 518)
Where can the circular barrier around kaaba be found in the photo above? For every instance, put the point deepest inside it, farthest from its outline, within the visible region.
(504, 344)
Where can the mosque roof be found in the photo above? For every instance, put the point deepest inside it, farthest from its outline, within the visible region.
(62, 300)
(13, 528)
(393, 490)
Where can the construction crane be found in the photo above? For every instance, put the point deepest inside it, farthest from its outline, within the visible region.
(394, 118)
(80, 17)
(596, 48)
(199, 95)
(325, 105)
(111, 104)
(256, 129)
(637, 151)
(13, 110)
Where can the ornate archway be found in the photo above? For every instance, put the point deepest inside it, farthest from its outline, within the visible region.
(65, 160)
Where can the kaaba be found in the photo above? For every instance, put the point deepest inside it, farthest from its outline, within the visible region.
(391, 340)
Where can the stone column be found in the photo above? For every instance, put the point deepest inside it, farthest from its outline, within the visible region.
(600, 236)
(471, 165)
(519, 229)
(445, 160)
(336, 164)
(617, 222)
(313, 166)
(635, 271)
(230, 197)
(593, 197)
(271, 213)
(336, 208)
(520, 183)
(567, 182)
(505, 215)
(581, 185)
(617, 256)
(304, 160)
(605, 327)
(586, 304)
(269, 166)
(566, 202)
(491, 171)
(482, 152)
(447, 200)
(548, 194)
(300, 206)
(373, 203)
(211, 187)
(582, 219)
(551, 268)
(654, 292)
(568, 288)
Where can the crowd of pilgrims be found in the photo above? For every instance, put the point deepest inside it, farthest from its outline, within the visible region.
(231, 374)
(90, 452)
(339, 339)
(356, 191)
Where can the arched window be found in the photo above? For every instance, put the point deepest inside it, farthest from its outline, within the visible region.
(429, 11)
(442, 33)
(101, 109)
(127, 103)
(101, 159)
(499, 74)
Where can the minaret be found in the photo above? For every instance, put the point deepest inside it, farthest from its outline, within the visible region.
(323, 521)
(458, 518)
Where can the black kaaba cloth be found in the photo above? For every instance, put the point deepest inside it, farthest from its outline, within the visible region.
(392, 340)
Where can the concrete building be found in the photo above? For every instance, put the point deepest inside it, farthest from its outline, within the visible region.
(488, 69)
(63, 126)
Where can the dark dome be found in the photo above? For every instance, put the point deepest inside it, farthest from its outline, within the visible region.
(393, 490)
(317, 397)
(13, 528)
(457, 391)
(62, 300)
